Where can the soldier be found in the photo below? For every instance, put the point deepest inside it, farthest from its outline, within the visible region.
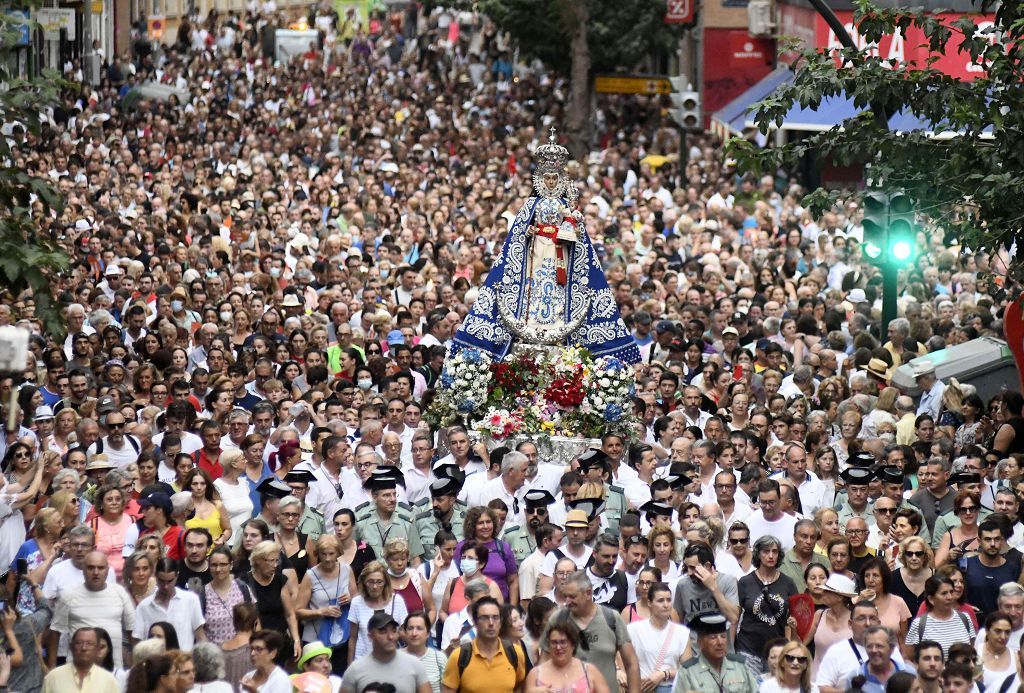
(385, 520)
(444, 511)
(312, 522)
(522, 538)
(713, 669)
(596, 467)
(857, 504)
(271, 491)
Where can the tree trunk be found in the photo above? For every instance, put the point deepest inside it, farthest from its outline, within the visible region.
(578, 112)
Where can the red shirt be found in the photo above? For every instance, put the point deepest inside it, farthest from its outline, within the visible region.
(212, 467)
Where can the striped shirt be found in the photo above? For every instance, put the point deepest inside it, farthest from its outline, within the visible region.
(434, 662)
(956, 628)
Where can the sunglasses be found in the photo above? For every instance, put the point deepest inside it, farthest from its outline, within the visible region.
(885, 511)
(737, 542)
(914, 554)
(964, 509)
(795, 659)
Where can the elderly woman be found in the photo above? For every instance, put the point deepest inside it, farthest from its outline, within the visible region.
(139, 577)
(234, 490)
(764, 602)
(272, 597)
(849, 432)
(208, 661)
(38, 554)
(405, 582)
(324, 595)
(501, 567)
(298, 547)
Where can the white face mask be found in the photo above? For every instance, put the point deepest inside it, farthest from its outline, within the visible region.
(177, 306)
(468, 566)
(225, 316)
(364, 384)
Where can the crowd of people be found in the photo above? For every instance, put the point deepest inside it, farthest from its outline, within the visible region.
(223, 475)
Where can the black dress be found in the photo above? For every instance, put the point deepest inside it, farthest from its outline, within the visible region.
(900, 589)
(300, 561)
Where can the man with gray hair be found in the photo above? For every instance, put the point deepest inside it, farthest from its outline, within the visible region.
(906, 414)
(602, 629)
(458, 627)
(801, 382)
(880, 643)
(507, 487)
(797, 559)
(1011, 602)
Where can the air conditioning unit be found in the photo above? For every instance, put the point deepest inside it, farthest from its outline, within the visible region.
(760, 19)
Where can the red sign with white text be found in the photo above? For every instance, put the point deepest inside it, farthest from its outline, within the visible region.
(807, 26)
(679, 12)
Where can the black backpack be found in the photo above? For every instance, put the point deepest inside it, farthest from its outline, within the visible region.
(466, 654)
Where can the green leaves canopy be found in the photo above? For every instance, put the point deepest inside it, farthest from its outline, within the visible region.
(29, 259)
(970, 183)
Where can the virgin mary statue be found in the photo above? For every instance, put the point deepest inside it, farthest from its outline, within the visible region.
(547, 287)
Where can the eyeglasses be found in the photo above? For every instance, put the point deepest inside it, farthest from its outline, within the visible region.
(292, 515)
(885, 511)
(795, 659)
(856, 532)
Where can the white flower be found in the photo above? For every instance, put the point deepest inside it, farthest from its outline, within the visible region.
(604, 382)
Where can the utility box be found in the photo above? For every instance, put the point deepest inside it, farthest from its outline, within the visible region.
(986, 363)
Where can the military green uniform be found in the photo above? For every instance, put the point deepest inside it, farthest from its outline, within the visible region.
(847, 513)
(615, 507)
(697, 674)
(427, 526)
(376, 533)
(312, 523)
(521, 541)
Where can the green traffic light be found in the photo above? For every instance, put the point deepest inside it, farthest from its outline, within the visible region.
(901, 250)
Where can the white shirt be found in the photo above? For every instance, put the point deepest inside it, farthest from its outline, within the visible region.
(812, 492)
(931, 401)
(183, 612)
(547, 568)
(496, 489)
(190, 442)
(119, 457)
(781, 529)
(840, 660)
(669, 642)
(417, 483)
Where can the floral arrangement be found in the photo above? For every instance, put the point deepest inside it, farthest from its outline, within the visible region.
(559, 392)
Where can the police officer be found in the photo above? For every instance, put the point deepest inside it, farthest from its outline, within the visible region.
(386, 520)
(444, 511)
(596, 467)
(713, 669)
(522, 538)
(271, 491)
(312, 522)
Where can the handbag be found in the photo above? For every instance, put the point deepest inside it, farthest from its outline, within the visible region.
(335, 631)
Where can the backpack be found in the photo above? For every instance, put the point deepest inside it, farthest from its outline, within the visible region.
(466, 655)
(130, 439)
(924, 622)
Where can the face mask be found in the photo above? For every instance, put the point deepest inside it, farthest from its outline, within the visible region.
(384, 273)
(225, 317)
(177, 306)
(364, 384)
(275, 271)
(888, 437)
(468, 566)
(392, 573)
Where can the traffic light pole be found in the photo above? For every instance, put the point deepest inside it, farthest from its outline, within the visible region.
(890, 287)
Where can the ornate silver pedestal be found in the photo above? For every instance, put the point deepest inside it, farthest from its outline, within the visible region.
(560, 450)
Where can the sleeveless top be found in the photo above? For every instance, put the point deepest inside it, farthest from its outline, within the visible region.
(300, 560)
(411, 596)
(826, 637)
(268, 601)
(1017, 445)
(457, 599)
(211, 523)
(634, 615)
(580, 685)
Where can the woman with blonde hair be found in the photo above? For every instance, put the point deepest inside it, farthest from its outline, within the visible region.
(792, 672)
(234, 490)
(63, 430)
(951, 410)
(375, 594)
(325, 593)
(883, 413)
(827, 522)
(39, 554)
(272, 594)
(405, 582)
(908, 581)
(850, 425)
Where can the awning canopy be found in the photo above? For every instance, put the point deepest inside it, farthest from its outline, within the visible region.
(736, 116)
